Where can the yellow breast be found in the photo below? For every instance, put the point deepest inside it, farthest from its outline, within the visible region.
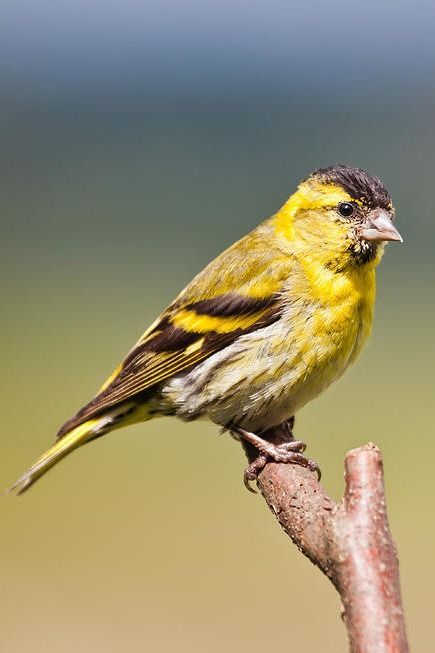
(341, 318)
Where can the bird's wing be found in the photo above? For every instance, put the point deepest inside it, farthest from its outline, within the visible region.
(235, 294)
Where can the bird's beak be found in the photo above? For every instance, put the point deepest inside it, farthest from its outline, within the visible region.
(379, 227)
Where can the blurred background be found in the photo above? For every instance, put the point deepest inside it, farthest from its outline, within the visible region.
(137, 140)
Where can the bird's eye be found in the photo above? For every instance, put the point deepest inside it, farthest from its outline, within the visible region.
(346, 209)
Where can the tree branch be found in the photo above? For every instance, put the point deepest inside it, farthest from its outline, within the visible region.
(349, 541)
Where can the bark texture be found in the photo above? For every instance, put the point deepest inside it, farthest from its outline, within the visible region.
(349, 541)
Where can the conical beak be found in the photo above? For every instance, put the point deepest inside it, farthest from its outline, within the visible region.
(378, 227)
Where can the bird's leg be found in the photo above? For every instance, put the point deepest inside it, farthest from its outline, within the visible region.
(286, 450)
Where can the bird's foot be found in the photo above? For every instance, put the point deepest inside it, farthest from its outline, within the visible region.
(287, 452)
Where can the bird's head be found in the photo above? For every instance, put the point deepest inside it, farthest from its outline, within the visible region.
(341, 214)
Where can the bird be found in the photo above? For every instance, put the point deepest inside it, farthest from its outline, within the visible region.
(262, 330)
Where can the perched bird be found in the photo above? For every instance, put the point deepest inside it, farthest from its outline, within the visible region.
(263, 329)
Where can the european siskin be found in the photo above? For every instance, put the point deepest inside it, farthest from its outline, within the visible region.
(263, 329)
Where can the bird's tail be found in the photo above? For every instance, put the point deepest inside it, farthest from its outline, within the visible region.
(89, 429)
(128, 413)
(75, 438)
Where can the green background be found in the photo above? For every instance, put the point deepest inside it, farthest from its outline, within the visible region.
(126, 164)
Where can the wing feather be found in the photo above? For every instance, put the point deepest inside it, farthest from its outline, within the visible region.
(237, 293)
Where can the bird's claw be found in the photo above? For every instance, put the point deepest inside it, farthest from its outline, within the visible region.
(252, 471)
(288, 452)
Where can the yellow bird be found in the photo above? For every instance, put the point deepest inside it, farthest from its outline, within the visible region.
(263, 329)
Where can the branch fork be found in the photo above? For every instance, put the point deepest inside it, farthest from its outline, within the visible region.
(349, 541)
